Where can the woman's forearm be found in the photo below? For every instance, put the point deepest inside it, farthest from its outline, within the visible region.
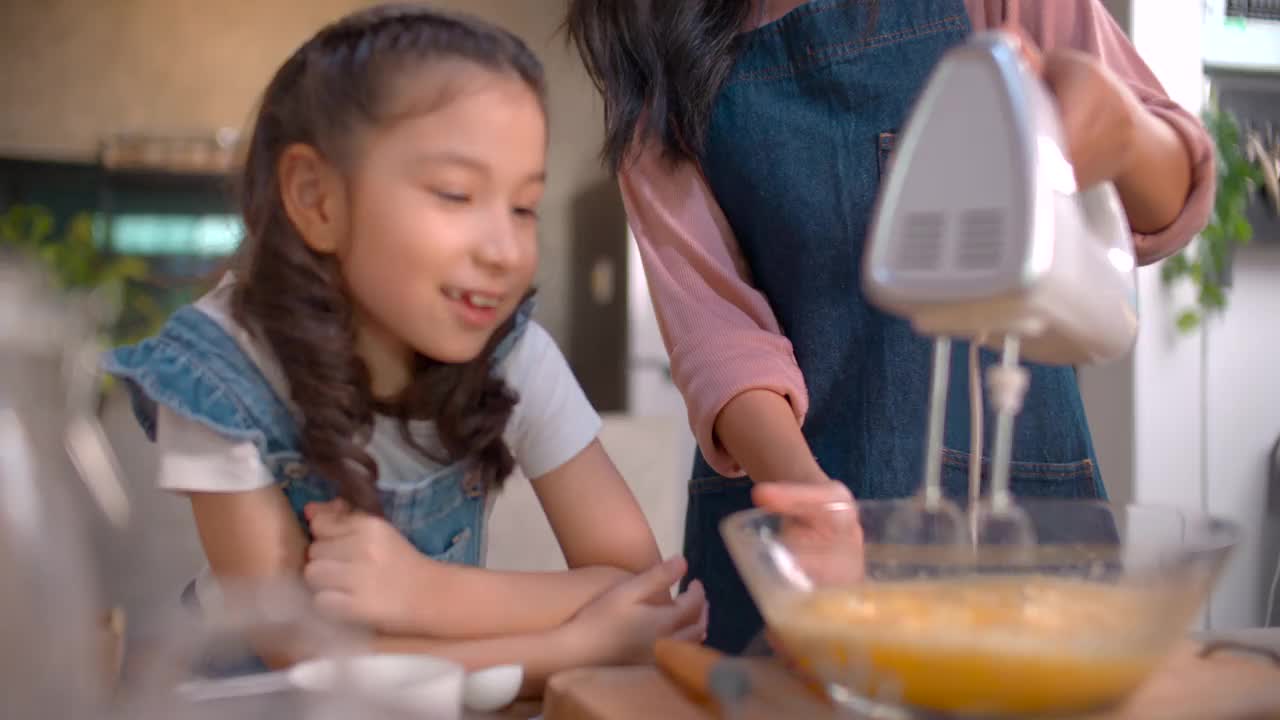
(468, 603)
(759, 430)
(1155, 188)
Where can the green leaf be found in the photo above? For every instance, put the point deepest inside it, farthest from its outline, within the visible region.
(1211, 296)
(27, 226)
(1173, 268)
(41, 225)
(127, 268)
(1229, 226)
(1188, 320)
(1242, 231)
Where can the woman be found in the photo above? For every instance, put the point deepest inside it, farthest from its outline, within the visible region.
(749, 140)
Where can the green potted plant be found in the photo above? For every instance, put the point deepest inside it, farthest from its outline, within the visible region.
(78, 262)
(1205, 263)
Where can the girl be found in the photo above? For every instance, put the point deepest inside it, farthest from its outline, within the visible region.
(346, 405)
(749, 139)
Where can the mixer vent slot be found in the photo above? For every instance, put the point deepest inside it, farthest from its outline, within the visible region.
(920, 245)
(982, 240)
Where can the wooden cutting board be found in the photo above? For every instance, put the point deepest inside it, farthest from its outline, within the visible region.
(1225, 686)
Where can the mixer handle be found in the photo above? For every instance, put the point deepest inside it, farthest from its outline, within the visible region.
(1105, 215)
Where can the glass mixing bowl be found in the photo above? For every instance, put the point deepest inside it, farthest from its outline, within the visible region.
(1074, 623)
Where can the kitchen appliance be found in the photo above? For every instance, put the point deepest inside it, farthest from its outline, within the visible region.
(982, 233)
(981, 230)
(57, 482)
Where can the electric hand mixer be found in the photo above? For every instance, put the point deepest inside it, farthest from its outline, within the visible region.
(981, 233)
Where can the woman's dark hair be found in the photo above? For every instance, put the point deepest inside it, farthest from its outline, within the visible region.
(660, 64)
(660, 61)
(345, 79)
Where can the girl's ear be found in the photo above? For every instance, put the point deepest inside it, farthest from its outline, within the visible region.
(314, 197)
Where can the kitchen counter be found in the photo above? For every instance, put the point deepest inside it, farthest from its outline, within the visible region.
(523, 710)
(1226, 686)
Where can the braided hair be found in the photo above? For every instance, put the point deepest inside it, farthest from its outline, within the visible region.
(341, 80)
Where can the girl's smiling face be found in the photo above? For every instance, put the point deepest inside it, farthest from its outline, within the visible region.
(440, 241)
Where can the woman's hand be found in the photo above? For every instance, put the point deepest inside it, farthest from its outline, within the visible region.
(361, 569)
(1100, 116)
(620, 626)
(1111, 136)
(820, 528)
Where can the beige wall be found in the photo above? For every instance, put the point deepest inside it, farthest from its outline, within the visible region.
(72, 71)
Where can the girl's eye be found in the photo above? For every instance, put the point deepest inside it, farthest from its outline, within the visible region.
(452, 197)
(530, 213)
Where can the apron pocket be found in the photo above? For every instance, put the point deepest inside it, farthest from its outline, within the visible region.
(1034, 483)
(1069, 480)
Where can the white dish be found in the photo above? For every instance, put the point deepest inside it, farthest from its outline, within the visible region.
(492, 688)
(421, 684)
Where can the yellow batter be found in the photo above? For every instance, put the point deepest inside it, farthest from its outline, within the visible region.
(1006, 646)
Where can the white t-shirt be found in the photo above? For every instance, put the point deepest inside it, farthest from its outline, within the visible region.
(550, 425)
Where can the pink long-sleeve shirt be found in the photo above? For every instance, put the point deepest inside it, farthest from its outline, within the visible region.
(720, 332)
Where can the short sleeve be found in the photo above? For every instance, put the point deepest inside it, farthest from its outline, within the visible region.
(195, 458)
(553, 421)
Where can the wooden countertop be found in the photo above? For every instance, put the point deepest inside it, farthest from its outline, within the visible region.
(1225, 686)
(523, 710)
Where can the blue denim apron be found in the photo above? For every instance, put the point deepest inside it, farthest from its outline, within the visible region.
(798, 144)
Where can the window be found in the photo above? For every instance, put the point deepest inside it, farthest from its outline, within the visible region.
(152, 234)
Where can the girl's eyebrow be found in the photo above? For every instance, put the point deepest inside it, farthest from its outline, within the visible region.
(450, 157)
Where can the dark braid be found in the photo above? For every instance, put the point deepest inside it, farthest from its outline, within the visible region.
(338, 82)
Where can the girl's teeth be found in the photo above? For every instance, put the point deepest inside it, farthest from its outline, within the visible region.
(473, 299)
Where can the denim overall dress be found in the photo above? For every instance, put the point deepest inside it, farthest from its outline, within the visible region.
(197, 370)
(193, 367)
(798, 144)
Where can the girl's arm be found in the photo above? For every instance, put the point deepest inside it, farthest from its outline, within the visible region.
(363, 570)
(605, 539)
(253, 537)
(618, 627)
(594, 516)
(553, 434)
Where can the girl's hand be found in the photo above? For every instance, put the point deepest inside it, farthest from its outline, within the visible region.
(362, 570)
(820, 528)
(620, 626)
